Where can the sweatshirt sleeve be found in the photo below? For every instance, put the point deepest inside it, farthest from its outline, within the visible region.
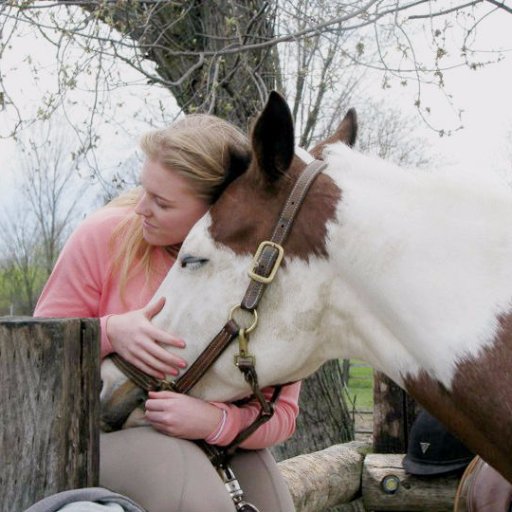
(279, 428)
(74, 288)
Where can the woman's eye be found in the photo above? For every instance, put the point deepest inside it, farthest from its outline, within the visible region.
(162, 206)
(192, 262)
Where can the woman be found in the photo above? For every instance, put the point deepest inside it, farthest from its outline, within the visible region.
(110, 268)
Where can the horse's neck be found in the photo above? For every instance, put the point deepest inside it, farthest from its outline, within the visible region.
(425, 260)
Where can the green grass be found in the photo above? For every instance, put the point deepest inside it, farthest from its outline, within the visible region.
(360, 385)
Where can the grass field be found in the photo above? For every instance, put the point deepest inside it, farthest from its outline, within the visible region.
(360, 385)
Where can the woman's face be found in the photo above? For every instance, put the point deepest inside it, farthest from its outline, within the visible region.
(168, 205)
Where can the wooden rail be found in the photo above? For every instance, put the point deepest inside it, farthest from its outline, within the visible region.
(343, 474)
(49, 408)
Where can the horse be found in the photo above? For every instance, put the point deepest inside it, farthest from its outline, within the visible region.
(407, 269)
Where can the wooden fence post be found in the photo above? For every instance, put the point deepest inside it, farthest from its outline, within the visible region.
(49, 408)
(410, 493)
(393, 414)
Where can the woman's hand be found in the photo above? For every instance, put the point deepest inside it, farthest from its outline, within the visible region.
(182, 416)
(137, 340)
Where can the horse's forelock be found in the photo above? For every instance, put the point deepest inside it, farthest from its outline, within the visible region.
(239, 162)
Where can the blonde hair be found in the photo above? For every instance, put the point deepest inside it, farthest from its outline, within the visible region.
(200, 148)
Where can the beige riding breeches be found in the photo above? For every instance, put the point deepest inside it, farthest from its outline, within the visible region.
(165, 474)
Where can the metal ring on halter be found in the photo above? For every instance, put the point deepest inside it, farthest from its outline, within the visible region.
(254, 316)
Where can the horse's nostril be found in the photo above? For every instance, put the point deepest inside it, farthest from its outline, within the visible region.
(101, 384)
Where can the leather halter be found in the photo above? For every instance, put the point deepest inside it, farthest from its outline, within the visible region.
(263, 269)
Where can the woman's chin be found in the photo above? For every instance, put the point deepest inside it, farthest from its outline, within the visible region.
(155, 239)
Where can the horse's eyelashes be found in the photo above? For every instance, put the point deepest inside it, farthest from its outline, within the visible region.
(189, 261)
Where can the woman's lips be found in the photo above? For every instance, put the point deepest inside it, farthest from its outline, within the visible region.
(147, 225)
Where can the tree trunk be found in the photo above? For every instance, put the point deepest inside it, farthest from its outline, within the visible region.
(324, 418)
(184, 38)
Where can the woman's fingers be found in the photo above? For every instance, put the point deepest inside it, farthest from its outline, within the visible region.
(135, 338)
(166, 338)
(153, 308)
(168, 359)
(149, 370)
(164, 364)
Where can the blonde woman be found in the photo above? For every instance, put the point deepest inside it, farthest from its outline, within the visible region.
(109, 269)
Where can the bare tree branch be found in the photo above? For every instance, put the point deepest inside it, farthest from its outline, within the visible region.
(500, 5)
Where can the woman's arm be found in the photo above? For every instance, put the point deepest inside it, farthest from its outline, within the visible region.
(279, 428)
(75, 285)
(82, 285)
(219, 423)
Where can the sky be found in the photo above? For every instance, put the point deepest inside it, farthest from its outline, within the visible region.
(483, 95)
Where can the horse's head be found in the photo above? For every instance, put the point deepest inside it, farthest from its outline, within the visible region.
(211, 274)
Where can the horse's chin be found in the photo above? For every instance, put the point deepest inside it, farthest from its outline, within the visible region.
(136, 419)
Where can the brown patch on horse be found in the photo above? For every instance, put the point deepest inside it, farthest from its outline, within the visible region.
(346, 132)
(247, 212)
(475, 408)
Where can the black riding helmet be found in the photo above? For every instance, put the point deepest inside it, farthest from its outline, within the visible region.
(432, 450)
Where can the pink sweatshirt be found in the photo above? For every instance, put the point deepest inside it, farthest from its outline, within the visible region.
(81, 286)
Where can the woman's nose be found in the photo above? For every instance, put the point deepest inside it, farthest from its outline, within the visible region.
(141, 208)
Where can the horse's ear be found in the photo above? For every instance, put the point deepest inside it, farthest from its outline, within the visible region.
(273, 138)
(239, 161)
(346, 132)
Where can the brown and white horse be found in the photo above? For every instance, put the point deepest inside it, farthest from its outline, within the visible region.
(409, 270)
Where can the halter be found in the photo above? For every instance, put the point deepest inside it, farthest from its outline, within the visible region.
(264, 266)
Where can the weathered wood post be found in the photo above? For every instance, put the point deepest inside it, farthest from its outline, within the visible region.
(49, 407)
(393, 414)
(405, 492)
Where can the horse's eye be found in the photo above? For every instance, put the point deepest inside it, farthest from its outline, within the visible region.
(192, 262)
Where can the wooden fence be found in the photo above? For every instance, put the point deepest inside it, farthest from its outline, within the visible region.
(49, 407)
(393, 414)
(49, 432)
(348, 474)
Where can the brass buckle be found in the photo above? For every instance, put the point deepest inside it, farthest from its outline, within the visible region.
(166, 385)
(262, 279)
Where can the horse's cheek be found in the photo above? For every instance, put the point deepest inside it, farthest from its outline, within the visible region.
(117, 410)
(111, 378)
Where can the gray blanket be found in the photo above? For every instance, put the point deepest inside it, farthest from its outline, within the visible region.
(92, 499)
